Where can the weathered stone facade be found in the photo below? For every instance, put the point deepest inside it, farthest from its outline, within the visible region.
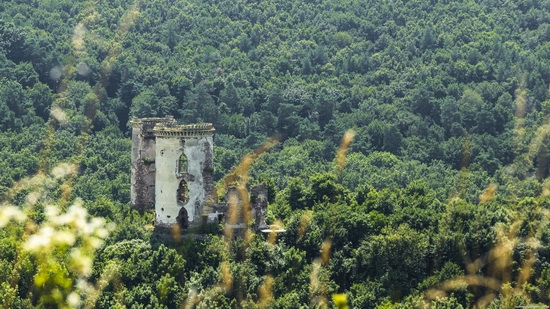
(172, 168)
(172, 171)
(143, 171)
(184, 164)
(258, 201)
(244, 208)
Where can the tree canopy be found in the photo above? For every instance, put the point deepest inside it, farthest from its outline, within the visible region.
(440, 197)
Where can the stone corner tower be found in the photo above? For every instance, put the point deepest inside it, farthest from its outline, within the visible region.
(143, 161)
(184, 172)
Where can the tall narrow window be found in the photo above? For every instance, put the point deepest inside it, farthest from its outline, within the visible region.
(183, 192)
(183, 218)
(182, 164)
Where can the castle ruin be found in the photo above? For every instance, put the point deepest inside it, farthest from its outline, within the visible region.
(172, 168)
(172, 171)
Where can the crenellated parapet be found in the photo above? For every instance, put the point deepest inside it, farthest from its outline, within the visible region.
(187, 131)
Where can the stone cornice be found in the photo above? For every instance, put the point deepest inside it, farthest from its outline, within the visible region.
(185, 131)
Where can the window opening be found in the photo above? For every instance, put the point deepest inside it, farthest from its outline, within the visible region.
(183, 218)
(183, 192)
(182, 164)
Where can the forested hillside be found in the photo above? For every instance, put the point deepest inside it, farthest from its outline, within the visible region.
(410, 170)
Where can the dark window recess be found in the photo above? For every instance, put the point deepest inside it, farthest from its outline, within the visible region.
(182, 164)
(183, 218)
(183, 192)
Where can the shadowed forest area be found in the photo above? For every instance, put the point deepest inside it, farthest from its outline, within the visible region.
(405, 146)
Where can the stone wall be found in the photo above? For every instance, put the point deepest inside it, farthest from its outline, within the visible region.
(258, 199)
(143, 169)
(246, 208)
(173, 168)
(176, 188)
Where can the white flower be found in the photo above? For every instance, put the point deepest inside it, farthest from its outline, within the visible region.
(97, 222)
(102, 233)
(84, 286)
(51, 211)
(64, 238)
(81, 263)
(73, 299)
(8, 213)
(96, 243)
(75, 216)
(91, 227)
(40, 240)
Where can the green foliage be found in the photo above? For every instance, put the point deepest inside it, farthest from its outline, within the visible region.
(445, 98)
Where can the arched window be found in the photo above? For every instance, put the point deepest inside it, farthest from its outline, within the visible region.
(182, 164)
(183, 192)
(183, 219)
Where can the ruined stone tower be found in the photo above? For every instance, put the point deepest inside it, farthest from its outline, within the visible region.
(184, 172)
(172, 171)
(143, 161)
(172, 167)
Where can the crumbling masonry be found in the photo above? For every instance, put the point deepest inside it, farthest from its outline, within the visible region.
(172, 171)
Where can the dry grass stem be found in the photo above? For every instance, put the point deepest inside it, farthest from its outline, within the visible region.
(488, 194)
(265, 292)
(272, 237)
(344, 146)
(227, 277)
(325, 251)
(305, 221)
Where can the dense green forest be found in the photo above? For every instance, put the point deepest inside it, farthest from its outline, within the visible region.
(437, 196)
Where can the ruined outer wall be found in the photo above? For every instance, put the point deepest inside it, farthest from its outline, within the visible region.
(258, 197)
(143, 161)
(197, 145)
